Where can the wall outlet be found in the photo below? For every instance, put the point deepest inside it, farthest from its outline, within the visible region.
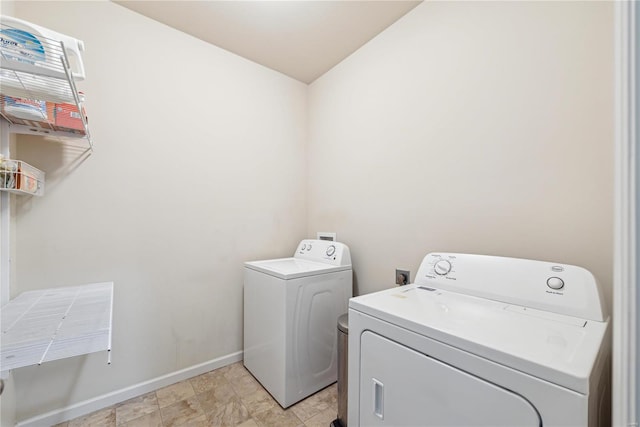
(403, 277)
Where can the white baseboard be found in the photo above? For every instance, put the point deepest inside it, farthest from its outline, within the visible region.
(106, 400)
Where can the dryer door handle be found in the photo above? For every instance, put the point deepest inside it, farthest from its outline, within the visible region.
(378, 398)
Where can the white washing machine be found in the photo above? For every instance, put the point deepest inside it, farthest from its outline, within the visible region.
(481, 341)
(291, 308)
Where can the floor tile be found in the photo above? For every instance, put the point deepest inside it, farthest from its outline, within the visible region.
(310, 406)
(227, 396)
(149, 420)
(323, 419)
(234, 371)
(174, 393)
(202, 421)
(277, 417)
(207, 381)
(216, 397)
(245, 385)
(230, 414)
(258, 401)
(182, 412)
(103, 418)
(330, 396)
(136, 407)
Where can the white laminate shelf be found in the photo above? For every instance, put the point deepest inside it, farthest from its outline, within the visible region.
(51, 324)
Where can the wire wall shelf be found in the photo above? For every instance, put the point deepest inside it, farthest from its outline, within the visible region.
(20, 177)
(51, 324)
(38, 91)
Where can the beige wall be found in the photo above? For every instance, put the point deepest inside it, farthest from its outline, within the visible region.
(198, 167)
(474, 127)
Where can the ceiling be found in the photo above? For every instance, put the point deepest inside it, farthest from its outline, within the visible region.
(302, 39)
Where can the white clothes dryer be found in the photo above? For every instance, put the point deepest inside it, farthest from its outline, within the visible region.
(291, 306)
(481, 341)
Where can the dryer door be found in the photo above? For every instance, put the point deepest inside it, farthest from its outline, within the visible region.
(401, 387)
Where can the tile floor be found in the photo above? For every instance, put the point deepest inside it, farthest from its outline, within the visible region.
(228, 396)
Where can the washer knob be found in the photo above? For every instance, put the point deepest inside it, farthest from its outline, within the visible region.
(304, 246)
(555, 283)
(309, 247)
(442, 267)
(331, 250)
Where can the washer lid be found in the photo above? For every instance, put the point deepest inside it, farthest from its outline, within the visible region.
(293, 268)
(557, 348)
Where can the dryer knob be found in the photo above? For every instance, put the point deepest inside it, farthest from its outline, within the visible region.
(331, 250)
(442, 267)
(304, 246)
(309, 247)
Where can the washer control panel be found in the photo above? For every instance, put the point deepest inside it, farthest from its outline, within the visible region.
(326, 251)
(559, 288)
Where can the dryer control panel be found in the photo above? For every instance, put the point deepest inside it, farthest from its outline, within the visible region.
(326, 251)
(558, 288)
